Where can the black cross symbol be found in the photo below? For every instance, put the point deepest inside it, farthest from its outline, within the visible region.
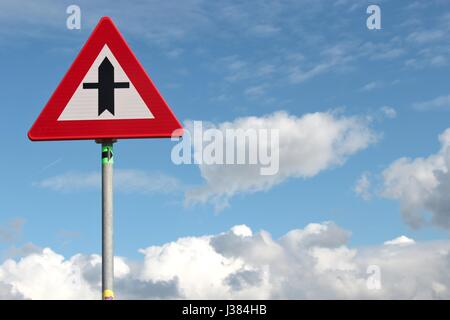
(105, 86)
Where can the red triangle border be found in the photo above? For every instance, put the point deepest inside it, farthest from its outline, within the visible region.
(164, 125)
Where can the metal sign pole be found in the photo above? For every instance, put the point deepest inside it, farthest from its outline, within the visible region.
(107, 221)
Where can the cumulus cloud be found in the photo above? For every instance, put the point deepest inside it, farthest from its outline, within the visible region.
(422, 186)
(30, 276)
(307, 145)
(314, 262)
(7, 292)
(400, 241)
(78, 277)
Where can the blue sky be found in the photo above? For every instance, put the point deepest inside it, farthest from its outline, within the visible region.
(217, 62)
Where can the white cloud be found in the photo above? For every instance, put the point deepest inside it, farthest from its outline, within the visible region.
(132, 181)
(47, 18)
(264, 30)
(327, 235)
(71, 181)
(255, 91)
(388, 54)
(125, 180)
(199, 268)
(438, 60)
(236, 68)
(30, 18)
(389, 112)
(400, 241)
(438, 103)
(314, 262)
(388, 50)
(362, 187)
(331, 58)
(307, 145)
(371, 86)
(422, 186)
(427, 59)
(298, 75)
(78, 277)
(242, 230)
(175, 53)
(290, 65)
(12, 230)
(426, 36)
(30, 276)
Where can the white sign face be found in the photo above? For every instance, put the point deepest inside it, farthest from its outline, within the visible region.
(105, 93)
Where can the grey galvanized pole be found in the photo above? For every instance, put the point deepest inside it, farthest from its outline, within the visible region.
(107, 221)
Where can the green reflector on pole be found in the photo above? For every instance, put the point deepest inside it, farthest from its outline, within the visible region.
(107, 154)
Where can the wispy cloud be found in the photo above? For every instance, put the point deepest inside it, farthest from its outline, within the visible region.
(175, 53)
(255, 91)
(12, 230)
(388, 112)
(426, 36)
(264, 30)
(299, 75)
(170, 20)
(127, 181)
(389, 54)
(438, 103)
(331, 57)
(362, 186)
(71, 181)
(372, 85)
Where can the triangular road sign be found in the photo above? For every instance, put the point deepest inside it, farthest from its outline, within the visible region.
(106, 94)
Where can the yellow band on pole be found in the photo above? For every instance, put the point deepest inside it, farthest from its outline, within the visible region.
(108, 295)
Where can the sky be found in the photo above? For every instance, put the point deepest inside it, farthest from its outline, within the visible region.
(364, 154)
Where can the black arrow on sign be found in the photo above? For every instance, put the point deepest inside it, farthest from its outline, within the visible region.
(105, 86)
